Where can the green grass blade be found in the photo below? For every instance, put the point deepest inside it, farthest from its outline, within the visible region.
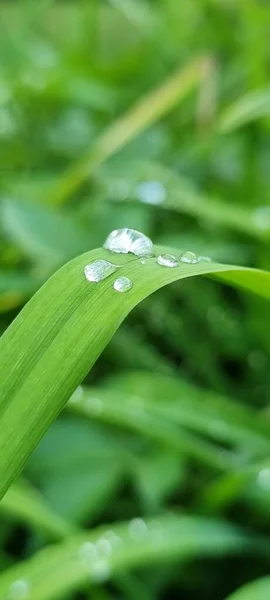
(146, 112)
(71, 565)
(250, 107)
(139, 397)
(180, 195)
(26, 505)
(113, 409)
(256, 590)
(60, 333)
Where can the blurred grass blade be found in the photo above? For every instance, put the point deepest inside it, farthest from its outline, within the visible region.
(148, 110)
(60, 333)
(177, 401)
(43, 235)
(250, 107)
(226, 490)
(256, 590)
(109, 408)
(174, 192)
(27, 506)
(77, 562)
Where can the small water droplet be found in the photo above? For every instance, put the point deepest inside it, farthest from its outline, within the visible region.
(151, 192)
(264, 479)
(103, 547)
(99, 269)
(262, 218)
(122, 284)
(188, 257)
(137, 529)
(87, 554)
(204, 259)
(19, 590)
(122, 241)
(167, 260)
(94, 405)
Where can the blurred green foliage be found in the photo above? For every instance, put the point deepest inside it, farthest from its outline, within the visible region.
(195, 175)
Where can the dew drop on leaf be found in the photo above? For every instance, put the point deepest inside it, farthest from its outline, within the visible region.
(100, 571)
(94, 405)
(188, 257)
(264, 478)
(87, 554)
(19, 590)
(151, 192)
(167, 260)
(122, 284)
(104, 548)
(137, 529)
(262, 218)
(99, 269)
(204, 259)
(122, 241)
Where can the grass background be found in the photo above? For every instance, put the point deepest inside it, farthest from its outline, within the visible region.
(194, 176)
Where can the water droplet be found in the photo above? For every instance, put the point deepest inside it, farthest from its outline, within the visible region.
(137, 529)
(94, 405)
(122, 284)
(19, 590)
(127, 240)
(99, 269)
(262, 218)
(151, 192)
(264, 479)
(114, 539)
(100, 571)
(87, 554)
(188, 257)
(103, 547)
(167, 260)
(204, 259)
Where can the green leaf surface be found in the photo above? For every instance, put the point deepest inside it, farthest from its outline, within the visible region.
(73, 565)
(256, 590)
(52, 344)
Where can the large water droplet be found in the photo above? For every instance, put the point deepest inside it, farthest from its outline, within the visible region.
(99, 269)
(151, 192)
(137, 529)
(19, 590)
(167, 260)
(122, 284)
(188, 257)
(204, 259)
(127, 240)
